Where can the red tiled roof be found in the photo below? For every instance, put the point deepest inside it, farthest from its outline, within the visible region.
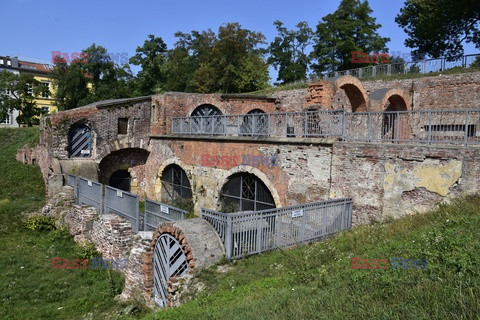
(35, 67)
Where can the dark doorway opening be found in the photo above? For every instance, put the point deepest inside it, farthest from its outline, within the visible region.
(120, 179)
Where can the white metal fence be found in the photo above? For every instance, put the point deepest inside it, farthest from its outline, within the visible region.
(90, 193)
(415, 67)
(245, 233)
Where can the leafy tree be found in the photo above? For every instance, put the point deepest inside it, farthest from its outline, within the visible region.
(71, 83)
(234, 63)
(350, 28)
(440, 27)
(95, 67)
(287, 52)
(17, 92)
(151, 57)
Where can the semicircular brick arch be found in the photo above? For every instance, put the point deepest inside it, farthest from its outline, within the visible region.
(256, 172)
(390, 99)
(395, 126)
(356, 93)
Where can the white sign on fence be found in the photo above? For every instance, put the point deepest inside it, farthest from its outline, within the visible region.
(164, 209)
(297, 213)
(84, 151)
(119, 194)
(89, 183)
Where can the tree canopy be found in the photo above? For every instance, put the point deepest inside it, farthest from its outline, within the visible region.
(288, 52)
(350, 28)
(440, 27)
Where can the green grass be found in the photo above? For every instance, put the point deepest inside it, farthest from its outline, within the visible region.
(310, 282)
(317, 282)
(29, 288)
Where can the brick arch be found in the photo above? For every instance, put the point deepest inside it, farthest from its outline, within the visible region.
(193, 109)
(147, 268)
(356, 93)
(118, 144)
(400, 100)
(165, 164)
(131, 159)
(252, 170)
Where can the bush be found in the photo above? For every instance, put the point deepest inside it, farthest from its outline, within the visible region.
(184, 204)
(40, 223)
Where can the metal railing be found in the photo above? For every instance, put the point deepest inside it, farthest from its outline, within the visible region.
(286, 124)
(429, 127)
(124, 204)
(414, 67)
(245, 233)
(157, 213)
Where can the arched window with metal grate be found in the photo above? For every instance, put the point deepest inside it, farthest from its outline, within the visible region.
(245, 192)
(205, 120)
(79, 142)
(175, 184)
(255, 123)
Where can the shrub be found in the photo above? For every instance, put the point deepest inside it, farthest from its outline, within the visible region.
(40, 223)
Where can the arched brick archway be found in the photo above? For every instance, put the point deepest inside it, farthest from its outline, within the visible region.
(251, 170)
(129, 159)
(356, 93)
(395, 126)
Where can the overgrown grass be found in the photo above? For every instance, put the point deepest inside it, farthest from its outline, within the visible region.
(317, 282)
(29, 288)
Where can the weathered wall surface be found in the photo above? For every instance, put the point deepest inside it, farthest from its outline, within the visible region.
(175, 104)
(395, 180)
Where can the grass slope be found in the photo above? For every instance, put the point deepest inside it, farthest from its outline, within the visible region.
(29, 288)
(317, 282)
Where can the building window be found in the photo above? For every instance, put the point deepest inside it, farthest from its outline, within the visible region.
(45, 90)
(1, 61)
(9, 63)
(30, 89)
(245, 192)
(45, 110)
(122, 125)
(7, 119)
(175, 184)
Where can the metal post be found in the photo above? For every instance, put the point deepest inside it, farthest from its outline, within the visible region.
(286, 124)
(397, 129)
(137, 218)
(368, 127)
(429, 139)
(268, 125)
(374, 71)
(302, 228)
(259, 235)
(278, 223)
(305, 117)
(228, 238)
(466, 128)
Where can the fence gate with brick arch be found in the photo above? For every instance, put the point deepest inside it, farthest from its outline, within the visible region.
(169, 260)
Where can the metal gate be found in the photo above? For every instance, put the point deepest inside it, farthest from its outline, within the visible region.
(169, 260)
(79, 142)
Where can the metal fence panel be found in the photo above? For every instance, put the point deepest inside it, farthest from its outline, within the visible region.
(124, 204)
(246, 233)
(156, 213)
(72, 182)
(90, 193)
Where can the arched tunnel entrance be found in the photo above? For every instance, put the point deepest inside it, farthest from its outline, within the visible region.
(123, 169)
(120, 179)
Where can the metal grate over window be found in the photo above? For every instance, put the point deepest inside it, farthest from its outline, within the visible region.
(246, 192)
(79, 142)
(175, 184)
(201, 124)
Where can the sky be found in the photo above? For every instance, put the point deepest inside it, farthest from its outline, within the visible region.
(32, 29)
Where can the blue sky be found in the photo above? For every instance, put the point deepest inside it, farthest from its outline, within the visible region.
(32, 29)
